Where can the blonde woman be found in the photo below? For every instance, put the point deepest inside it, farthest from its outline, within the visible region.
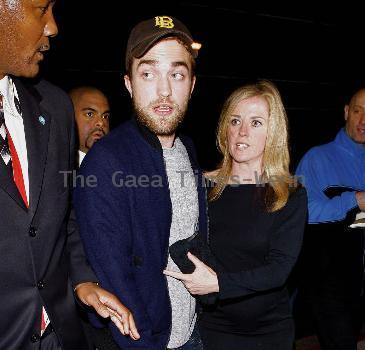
(257, 216)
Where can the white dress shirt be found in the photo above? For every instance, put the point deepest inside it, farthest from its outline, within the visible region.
(15, 126)
(81, 157)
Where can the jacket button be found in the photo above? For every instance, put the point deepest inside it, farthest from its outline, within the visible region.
(34, 338)
(40, 284)
(32, 231)
(137, 261)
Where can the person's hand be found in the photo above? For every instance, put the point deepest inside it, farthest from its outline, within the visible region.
(360, 197)
(202, 281)
(108, 305)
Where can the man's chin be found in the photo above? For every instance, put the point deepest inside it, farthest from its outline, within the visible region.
(27, 72)
(163, 131)
(32, 69)
(359, 140)
(159, 128)
(168, 131)
(91, 143)
(160, 125)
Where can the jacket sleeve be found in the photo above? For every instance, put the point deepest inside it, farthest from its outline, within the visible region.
(103, 213)
(282, 254)
(312, 170)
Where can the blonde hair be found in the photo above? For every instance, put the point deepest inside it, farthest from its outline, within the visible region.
(276, 153)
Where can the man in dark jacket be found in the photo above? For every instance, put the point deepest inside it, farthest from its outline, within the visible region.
(42, 259)
(149, 190)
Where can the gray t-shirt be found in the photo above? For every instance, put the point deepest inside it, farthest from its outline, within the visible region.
(185, 215)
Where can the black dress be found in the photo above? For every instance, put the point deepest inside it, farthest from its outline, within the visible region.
(257, 250)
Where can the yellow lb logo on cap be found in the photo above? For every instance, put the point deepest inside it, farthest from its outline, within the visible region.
(164, 22)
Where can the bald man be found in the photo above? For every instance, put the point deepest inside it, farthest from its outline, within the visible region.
(43, 268)
(333, 250)
(92, 114)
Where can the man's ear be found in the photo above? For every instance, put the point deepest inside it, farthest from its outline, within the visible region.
(128, 84)
(346, 110)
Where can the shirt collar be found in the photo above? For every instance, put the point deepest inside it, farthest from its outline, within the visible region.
(4, 83)
(8, 90)
(81, 156)
(346, 142)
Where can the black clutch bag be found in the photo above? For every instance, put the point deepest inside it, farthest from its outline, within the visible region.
(198, 246)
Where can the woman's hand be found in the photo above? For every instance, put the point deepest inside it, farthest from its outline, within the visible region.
(202, 281)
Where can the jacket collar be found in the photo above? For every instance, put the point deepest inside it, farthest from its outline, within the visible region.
(344, 141)
(155, 143)
(148, 135)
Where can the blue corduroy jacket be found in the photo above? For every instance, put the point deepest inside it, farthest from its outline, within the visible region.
(123, 207)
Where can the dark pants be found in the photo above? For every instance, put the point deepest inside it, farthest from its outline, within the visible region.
(194, 343)
(338, 322)
(215, 340)
(99, 338)
(331, 270)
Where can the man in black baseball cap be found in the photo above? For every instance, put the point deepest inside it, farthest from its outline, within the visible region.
(149, 192)
(147, 33)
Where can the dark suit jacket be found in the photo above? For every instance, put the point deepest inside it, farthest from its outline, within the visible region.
(41, 254)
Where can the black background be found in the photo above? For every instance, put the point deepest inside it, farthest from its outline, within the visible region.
(312, 52)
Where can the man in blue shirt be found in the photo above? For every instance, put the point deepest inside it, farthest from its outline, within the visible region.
(333, 175)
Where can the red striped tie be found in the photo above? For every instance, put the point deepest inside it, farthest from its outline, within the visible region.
(17, 170)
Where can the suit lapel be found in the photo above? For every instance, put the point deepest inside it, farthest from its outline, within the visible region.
(36, 126)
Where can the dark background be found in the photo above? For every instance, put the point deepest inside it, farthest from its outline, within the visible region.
(312, 52)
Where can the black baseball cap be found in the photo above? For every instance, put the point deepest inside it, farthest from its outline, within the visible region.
(147, 33)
